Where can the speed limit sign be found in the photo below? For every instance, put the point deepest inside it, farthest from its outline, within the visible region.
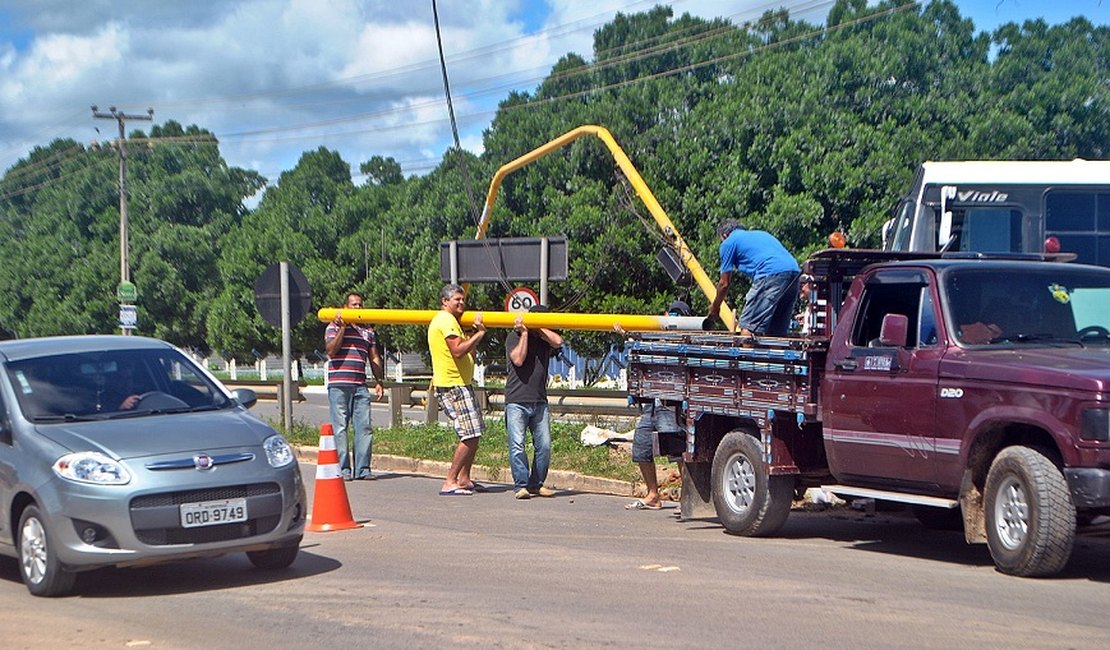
(521, 299)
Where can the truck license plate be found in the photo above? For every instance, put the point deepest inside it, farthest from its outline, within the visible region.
(213, 513)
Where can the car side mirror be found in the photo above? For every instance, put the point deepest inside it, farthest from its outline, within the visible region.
(894, 331)
(245, 396)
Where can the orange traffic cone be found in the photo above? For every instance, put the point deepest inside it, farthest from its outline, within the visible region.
(330, 508)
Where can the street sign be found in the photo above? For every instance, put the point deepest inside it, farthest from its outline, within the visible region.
(128, 317)
(127, 292)
(267, 295)
(521, 299)
(512, 258)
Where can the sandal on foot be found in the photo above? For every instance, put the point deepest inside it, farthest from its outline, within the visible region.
(640, 504)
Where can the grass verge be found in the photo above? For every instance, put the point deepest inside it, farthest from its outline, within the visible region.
(431, 442)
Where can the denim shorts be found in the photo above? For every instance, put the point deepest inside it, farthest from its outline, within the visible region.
(657, 434)
(769, 305)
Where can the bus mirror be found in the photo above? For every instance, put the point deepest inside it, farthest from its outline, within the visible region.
(944, 232)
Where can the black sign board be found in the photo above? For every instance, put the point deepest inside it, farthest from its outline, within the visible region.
(267, 295)
(509, 258)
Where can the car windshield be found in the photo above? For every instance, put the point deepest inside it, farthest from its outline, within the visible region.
(1034, 305)
(107, 384)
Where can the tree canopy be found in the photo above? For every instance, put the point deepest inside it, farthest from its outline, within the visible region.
(796, 128)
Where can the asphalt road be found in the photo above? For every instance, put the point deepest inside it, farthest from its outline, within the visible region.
(488, 571)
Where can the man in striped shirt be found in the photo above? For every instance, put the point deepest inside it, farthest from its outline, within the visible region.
(350, 346)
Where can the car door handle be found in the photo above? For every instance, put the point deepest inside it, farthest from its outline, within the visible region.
(846, 364)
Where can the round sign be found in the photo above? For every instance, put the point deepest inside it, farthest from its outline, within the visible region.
(521, 299)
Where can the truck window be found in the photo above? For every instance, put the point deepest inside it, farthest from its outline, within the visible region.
(1028, 304)
(1081, 221)
(898, 293)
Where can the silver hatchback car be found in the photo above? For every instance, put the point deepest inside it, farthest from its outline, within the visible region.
(121, 451)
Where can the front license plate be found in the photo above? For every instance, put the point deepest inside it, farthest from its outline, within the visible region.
(213, 513)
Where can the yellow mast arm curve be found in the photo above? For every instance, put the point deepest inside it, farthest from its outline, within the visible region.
(708, 287)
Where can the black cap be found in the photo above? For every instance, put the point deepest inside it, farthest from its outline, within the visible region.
(678, 308)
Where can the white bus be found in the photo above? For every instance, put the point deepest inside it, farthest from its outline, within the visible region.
(1006, 206)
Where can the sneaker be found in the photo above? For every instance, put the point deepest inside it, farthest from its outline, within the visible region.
(346, 475)
(542, 491)
(523, 493)
(365, 475)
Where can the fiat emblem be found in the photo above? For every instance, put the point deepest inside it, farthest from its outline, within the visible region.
(202, 461)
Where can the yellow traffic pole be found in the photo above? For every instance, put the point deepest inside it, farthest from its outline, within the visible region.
(707, 285)
(505, 319)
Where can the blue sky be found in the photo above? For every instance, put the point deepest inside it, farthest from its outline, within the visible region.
(275, 78)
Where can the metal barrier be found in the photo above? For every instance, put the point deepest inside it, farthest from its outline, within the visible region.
(268, 390)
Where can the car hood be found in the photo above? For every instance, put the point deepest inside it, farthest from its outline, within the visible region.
(160, 434)
(1074, 368)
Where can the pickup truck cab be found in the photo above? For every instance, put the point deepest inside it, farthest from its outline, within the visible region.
(977, 390)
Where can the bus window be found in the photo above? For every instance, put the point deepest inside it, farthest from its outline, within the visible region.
(1081, 221)
(989, 230)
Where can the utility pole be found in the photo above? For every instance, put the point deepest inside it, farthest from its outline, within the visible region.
(126, 290)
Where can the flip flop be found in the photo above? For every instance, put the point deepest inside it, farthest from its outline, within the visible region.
(476, 487)
(456, 492)
(640, 504)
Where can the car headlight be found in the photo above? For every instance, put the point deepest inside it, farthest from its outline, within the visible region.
(1095, 425)
(91, 467)
(278, 452)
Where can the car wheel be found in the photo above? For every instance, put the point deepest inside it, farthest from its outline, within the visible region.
(274, 558)
(43, 574)
(1029, 513)
(747, 500)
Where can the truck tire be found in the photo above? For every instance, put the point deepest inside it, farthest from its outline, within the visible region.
(43, 574)
(1029, 514)
(747, 500)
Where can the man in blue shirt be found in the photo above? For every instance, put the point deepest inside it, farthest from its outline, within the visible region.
(769, 304)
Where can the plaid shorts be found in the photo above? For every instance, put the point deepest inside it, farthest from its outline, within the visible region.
(461, 406)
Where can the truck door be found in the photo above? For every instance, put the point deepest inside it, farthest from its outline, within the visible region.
(880, 400)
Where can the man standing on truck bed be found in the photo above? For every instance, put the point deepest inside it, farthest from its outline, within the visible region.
(769, 305)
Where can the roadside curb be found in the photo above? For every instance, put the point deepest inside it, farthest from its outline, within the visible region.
(558, 479)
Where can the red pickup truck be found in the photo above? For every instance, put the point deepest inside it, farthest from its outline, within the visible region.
(975, 389)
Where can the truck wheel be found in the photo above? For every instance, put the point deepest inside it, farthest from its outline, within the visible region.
(1029, 513)
(43, 574)
(748, 501)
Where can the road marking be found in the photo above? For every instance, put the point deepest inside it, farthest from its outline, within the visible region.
(659, 567)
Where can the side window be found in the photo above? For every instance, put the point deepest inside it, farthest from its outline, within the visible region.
(5, 424)
(185, 384)
(927, 335)
(1081, 221)
(899, 292)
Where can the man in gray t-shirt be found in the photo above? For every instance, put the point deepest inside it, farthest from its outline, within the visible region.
(527, 353)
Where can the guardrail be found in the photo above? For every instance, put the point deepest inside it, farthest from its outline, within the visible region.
(267, 389)
(562, 401)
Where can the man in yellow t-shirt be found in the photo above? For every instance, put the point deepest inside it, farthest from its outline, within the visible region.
(452, 353)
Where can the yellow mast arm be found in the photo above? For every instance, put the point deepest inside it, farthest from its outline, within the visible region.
(505, 319)
(708, 287)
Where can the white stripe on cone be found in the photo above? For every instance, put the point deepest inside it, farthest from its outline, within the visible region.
(327, 471)
(327, 443)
